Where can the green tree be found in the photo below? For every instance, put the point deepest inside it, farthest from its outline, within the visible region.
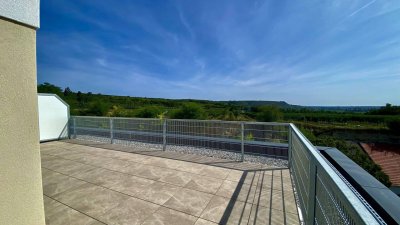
(190, 111)
(268, 113)
(389, 109)
(49, 88)
(79, 97)
(67, 91)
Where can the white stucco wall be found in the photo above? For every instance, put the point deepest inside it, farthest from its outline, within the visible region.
(53, 117)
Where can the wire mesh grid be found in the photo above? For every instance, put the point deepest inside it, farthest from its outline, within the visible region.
(227, 136)
(204, 134)
(332, 207)
(253, 138)
(138, 130)
(301, 171)
(97, 127)
(266, 138)
(321, 199)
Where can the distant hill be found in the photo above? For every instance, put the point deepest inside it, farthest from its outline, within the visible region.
(343, 108)
(80, 102)
(252, 103)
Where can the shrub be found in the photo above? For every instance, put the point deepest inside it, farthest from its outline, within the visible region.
(394, 125)
(97, 108)
(268, 114)
(117, 111)
(190, 111)
(149, 112)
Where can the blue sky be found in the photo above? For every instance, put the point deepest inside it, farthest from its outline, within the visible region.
(307, 52)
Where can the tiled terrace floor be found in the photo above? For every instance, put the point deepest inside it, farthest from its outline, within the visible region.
(91, 185)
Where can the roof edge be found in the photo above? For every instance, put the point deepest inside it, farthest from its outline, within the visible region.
(22, 11)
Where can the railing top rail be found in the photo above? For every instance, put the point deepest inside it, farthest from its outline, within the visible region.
(108, 117)
(354, 201)
(191, 120)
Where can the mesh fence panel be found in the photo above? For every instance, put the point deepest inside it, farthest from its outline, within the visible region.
(258, 138)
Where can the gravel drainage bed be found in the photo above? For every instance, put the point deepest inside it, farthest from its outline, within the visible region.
(222, 154)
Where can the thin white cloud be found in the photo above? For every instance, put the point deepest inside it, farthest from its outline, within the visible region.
(186, 24)
(362, 8)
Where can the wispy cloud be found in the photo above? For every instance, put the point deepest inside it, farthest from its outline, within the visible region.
(362, 8)
(302, 53)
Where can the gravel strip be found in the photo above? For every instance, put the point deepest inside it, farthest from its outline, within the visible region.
(222, 154)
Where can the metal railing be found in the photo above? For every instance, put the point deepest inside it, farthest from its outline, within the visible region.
(269, 139)
(324, 196)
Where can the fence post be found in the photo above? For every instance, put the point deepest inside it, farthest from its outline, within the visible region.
(164, 134)
(69, 127)
(311, 194)
(112, 130)
(242, 146)
(290, 148)
(74, 124)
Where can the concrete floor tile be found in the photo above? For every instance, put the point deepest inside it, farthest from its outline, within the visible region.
(277, 217)
(67, 167)
(45, 157)
(189, 201)
(158, 192)
(225, 211)
(216, 172)
(204, 184)
(277, 181)
(55, 151)
(292, 218)
(238, 191)
(177, 178)
(102, 177)
(266, 215)
(153, 172)
(190, 167)
(132, 211)
(54, 163)
(133, 168)
(55, 183)
(165, 216)
(290, 202)
(132, 185)
(201, 221)
(263, 196)
(59, 214)
(116, 165)
(89, 159)
(243, 176)
(133, 157)
(92, 200)
(162, 162)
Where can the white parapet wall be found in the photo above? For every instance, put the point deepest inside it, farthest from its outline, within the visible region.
(53, 117)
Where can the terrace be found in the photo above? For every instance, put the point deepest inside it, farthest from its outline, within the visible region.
(95, 185)
(152, 171)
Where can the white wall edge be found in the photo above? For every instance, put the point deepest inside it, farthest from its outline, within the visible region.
(22, 11)
(53, 117)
